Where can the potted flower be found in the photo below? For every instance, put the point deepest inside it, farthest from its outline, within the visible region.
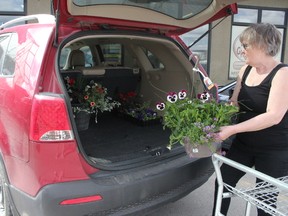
(193, 122)
(88, 98)
(136, 111)
(127, 100)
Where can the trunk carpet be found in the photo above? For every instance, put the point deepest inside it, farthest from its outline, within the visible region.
(116, 139)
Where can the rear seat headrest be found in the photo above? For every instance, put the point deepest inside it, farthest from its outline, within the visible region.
(76, 59)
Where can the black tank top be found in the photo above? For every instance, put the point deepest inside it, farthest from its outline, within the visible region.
(252, 101)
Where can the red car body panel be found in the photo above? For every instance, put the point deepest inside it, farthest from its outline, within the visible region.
(40, 163)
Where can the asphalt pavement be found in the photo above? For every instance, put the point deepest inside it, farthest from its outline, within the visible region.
(200, 203)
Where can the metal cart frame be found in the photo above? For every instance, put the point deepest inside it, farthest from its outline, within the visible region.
(263, 195)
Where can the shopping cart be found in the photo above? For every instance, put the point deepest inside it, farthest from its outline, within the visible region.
(263, 195)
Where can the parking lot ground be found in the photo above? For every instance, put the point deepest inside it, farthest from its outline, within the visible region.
(200, 203)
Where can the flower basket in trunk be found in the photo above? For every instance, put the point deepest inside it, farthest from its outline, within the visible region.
(82, 119)
(88, 97)
(136, 111)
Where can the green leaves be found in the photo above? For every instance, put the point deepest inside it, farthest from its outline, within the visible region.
(196, 120)
(90, 97)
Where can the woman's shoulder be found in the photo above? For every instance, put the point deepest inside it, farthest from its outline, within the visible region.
(282, 73)
(282, 69)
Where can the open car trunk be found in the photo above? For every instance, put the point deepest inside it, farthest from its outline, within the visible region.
(147, 65)
(116, 139)
(129, 47)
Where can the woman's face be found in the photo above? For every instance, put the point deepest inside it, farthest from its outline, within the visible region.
(252, 54)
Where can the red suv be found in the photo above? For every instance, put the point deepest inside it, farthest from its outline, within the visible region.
(50, 165)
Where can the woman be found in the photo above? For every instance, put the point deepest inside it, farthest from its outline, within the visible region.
(261, 93)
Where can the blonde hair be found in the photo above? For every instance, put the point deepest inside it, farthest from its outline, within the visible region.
(264, 36)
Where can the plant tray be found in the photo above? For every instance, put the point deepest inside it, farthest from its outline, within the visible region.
(140, 122)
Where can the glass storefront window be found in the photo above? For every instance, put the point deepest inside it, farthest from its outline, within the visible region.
(12, 6)
(246, 15)
(11, 9)
(273, 17)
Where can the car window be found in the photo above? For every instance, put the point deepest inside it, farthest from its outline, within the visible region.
(88, 56)
(8, 49)
(174, 8)
(64, 56)
(4, 40)
(112, 54)
(155, 62)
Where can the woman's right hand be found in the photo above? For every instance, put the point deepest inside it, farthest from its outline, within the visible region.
(225, 132)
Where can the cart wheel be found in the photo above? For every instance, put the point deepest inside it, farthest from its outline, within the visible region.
(5, 207)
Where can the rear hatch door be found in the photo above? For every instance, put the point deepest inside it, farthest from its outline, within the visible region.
(159, 16)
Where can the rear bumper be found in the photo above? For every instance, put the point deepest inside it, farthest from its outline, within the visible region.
(125, 194)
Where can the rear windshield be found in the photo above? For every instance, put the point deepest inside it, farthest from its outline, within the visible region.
(177, 9)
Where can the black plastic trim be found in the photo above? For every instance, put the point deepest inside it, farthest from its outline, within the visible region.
(122, 195)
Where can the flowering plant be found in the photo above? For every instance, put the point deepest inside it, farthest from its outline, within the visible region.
(132, 107)
(195, 119)
(142, 112)
(128, 99)
(91, 97)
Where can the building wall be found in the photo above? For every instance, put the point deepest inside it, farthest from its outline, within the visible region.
(220, 42)
(38, 6)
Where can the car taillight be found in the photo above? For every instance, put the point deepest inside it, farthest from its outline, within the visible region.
(49, 119)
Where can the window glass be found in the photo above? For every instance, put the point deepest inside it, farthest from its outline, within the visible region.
(155, 62)
(112, 54)
(273, 17)
(246, 15)
(201, 47)
(9, 60)
(4, 41)
(64, 56)
(65, 53)
(8, 48)
(176, 8)
(12, 5)
(88, 56)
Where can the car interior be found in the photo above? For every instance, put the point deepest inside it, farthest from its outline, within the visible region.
(150, 66)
